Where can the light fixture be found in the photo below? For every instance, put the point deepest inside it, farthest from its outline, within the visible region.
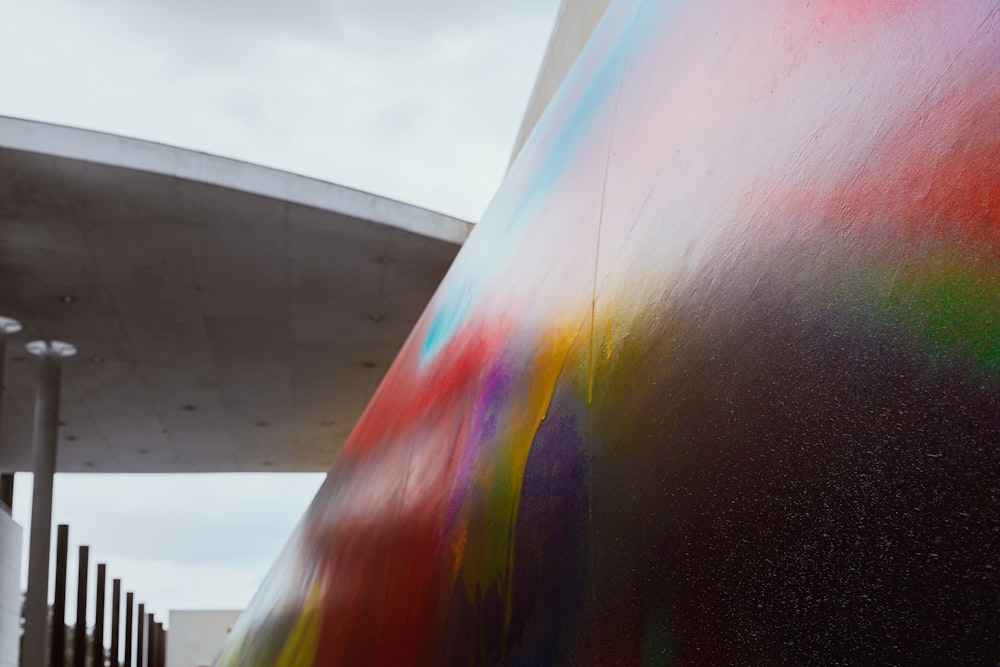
(9, 325)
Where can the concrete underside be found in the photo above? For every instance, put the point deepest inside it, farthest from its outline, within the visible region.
(218, 330)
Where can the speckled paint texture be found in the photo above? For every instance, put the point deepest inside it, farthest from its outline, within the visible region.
(716, 380)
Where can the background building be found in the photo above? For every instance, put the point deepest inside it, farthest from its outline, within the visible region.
(196, 637)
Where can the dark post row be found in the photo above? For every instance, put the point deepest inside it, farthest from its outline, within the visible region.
(151, 638)
(140, 655)
(57, 647)
(116, 605)
(80, 631)
(158, 644)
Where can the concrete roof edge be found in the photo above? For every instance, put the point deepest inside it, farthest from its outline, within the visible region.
(118, 151)
(530, 116)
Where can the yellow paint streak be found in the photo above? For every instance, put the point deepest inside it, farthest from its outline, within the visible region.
(458, 546)
(232, 652)
(590, 367)
(300, 649)
(607, 341)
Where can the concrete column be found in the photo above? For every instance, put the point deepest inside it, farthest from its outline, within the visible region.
(46, 430)
(7, 327)
(10, 540)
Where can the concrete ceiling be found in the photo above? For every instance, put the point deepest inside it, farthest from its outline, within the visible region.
(218, 330)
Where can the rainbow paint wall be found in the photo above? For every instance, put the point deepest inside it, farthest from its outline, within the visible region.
(715, 381)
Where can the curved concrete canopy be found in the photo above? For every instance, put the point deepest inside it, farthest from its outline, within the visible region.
(229, 317)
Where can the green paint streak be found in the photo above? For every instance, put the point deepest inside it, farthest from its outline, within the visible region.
(948, 301)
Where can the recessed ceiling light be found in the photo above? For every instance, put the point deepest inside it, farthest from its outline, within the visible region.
(368, 364)
(190, 408)
(376, 317)
(54, 347)
(143, 451)
(9, 325)
(263, 423)
(67, 298)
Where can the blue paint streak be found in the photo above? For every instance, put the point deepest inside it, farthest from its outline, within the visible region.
(527, 190)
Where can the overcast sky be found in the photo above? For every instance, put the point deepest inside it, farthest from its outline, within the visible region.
(418, 100)
(176, 541)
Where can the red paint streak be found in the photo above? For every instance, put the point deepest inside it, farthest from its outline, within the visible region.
(931, 171)
(846, 18)
(937, 173)
(385, 563)
(409, 394)
(386, 612)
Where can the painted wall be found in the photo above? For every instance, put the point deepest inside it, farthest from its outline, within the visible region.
(715, 381)
(10, 589)
(195, 638)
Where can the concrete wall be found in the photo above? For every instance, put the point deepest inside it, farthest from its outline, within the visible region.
(10, 590)
(196, 637)
(576, 21)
